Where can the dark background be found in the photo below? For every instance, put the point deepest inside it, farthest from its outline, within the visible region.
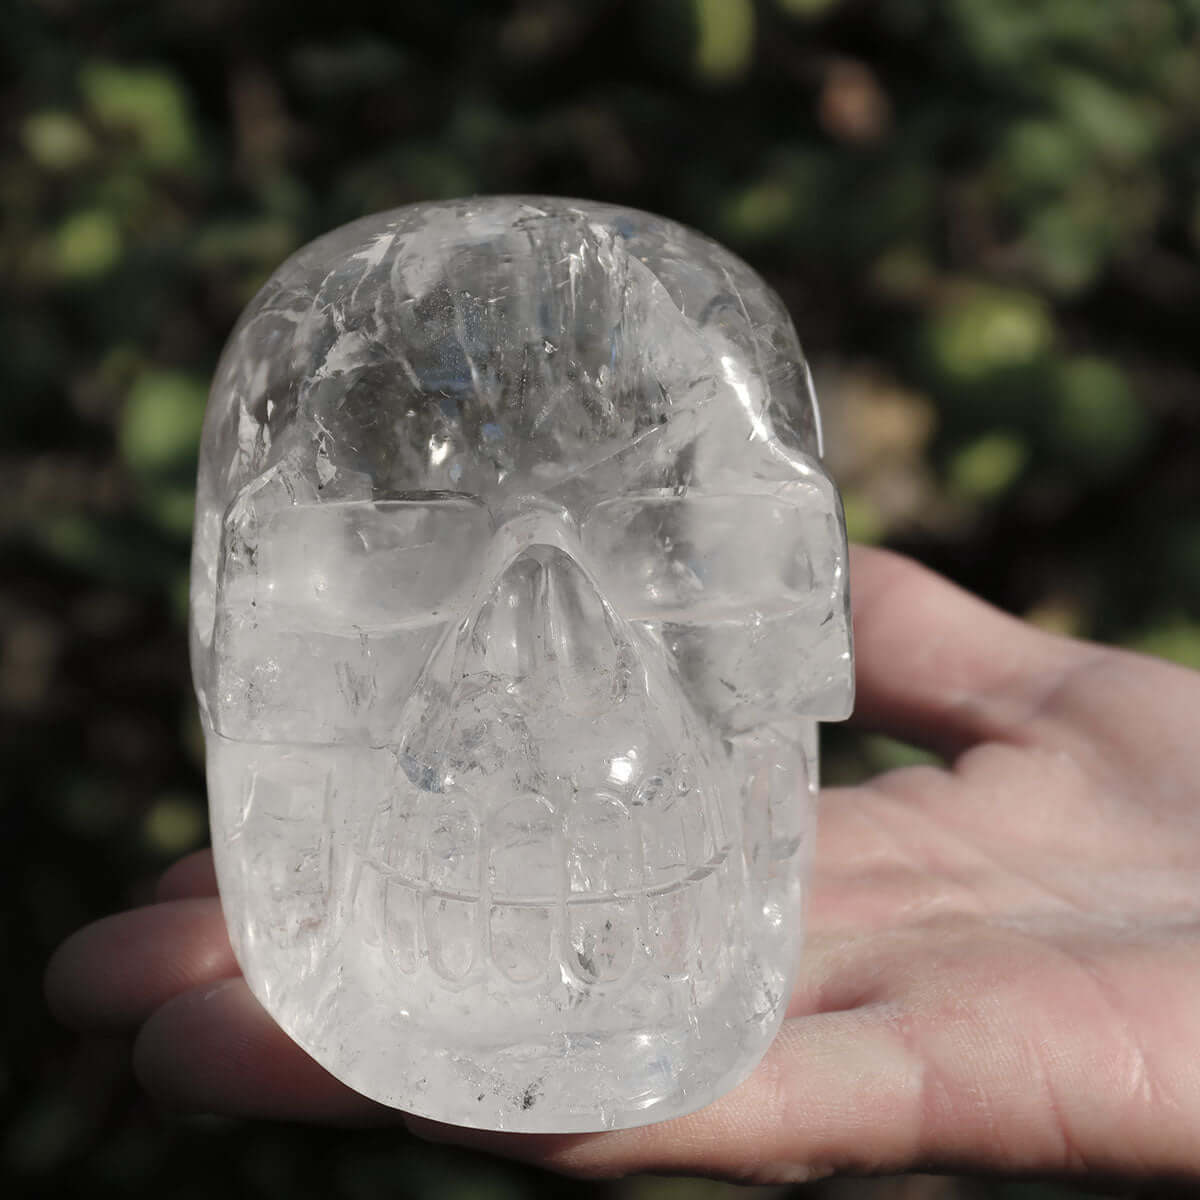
(983, 214)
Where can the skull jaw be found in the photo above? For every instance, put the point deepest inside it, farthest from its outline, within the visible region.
(362, 971)
(555, 904)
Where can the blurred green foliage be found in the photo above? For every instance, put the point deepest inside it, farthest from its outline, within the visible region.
(983, 214)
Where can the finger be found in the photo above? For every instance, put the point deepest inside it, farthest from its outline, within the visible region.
(214, 1049)
(834, 1092)
(110, 976)
(1134, 713)
(981, 1049)
(192, 877)
(940, 667)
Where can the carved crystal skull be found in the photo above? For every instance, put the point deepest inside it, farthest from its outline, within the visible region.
(518, 591)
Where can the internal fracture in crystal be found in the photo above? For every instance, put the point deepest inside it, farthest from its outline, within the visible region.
(517, 593)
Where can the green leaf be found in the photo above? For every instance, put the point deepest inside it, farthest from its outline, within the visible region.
(760, 210)
(175, 824)
(888, 754)
(990, 329)
(170, 506)
(864, 522)
(263, 242)
(1068, 248)
(806, 8)
(1177, 639)
(1041, 154)
(989, 465)
(124, 553)
(725, 42)
(161, 421)
(1121, 127)
(56, 140)
(1097, 418)
(148, 103)
(87, 244)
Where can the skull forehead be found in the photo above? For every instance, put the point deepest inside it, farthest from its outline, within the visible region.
(488, 359)
(495, 345)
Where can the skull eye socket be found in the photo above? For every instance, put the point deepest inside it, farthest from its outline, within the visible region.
(354, 565)
(701, 558)
(326, 613)
(746, 591)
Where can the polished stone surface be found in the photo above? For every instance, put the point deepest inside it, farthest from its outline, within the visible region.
(517, 593)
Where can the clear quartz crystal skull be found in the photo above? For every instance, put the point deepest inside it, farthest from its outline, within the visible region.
(517, 594)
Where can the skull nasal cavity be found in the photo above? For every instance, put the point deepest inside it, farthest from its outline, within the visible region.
(545, 618)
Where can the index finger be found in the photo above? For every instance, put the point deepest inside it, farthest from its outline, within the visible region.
(940, 667)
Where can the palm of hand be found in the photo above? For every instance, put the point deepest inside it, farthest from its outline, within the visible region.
(1015, 941)
(1002, 958)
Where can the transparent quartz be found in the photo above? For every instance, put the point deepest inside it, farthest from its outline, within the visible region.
(518, 591)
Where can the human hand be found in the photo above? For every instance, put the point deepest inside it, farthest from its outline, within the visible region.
(1003, 955)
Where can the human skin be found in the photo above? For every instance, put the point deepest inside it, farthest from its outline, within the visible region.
(1003, 960)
